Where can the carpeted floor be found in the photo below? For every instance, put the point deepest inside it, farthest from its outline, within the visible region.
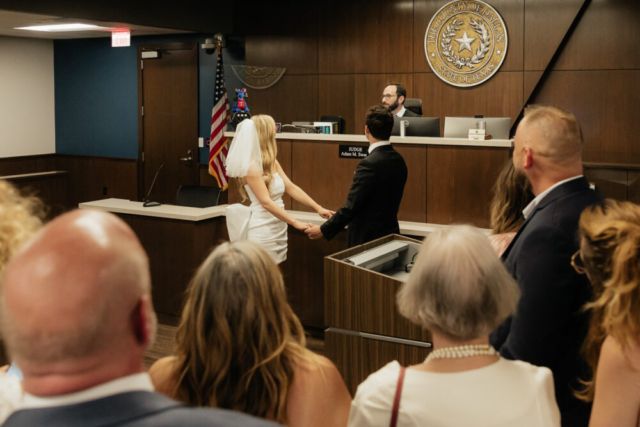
(165, 343)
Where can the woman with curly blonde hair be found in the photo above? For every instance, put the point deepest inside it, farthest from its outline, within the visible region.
(20, 218)
(241, 347)
(610, 255)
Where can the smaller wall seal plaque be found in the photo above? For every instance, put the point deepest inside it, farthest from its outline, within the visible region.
(466, 42)
(258, 77)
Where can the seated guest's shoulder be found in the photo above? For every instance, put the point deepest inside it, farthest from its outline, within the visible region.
(618, 362)
(500, 242)
(534, 387)
(379, 386)
(318, 395)
(163, 374)
(373, 402)
(548, 235)
(568, 208)
(313, 366)
(526, 372)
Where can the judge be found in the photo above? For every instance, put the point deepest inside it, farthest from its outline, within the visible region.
(371, 209)
(393, 98)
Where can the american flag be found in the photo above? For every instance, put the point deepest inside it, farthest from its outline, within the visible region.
(219, 116)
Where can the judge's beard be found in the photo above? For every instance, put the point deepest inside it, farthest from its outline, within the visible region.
(393, 106)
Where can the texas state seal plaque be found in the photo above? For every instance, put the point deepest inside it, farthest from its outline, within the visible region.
(466, 42)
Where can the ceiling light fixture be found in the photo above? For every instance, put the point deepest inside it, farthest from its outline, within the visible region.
(63, 27)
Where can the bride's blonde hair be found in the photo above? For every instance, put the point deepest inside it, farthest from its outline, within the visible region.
(266, 127)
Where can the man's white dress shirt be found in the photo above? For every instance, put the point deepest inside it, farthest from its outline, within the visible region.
(377, 144)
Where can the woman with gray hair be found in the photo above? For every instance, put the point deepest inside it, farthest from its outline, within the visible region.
(459, 291)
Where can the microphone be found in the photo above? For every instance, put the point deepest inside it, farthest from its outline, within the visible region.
(146, 202)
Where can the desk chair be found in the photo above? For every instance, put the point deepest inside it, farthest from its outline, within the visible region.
(414, 104)
(197, 197)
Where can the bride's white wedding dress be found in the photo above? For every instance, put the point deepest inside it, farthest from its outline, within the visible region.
(264, 228)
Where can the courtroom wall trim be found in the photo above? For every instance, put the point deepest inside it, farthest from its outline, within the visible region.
(27, 123)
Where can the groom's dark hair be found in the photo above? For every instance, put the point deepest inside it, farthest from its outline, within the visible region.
(379, 120)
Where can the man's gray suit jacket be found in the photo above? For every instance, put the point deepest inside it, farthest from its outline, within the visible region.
(132, 409)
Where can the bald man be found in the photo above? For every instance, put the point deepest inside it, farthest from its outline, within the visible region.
(77, 318)
(549, 325)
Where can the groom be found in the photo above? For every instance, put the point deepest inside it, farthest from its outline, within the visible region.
(371, 209)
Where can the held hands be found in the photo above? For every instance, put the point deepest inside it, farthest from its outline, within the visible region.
(314, 232)
(325, 213)
(302, 226)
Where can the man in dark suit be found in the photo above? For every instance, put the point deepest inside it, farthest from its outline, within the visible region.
(393, 97)
(77, 318)
(549, 325)
(371, 209)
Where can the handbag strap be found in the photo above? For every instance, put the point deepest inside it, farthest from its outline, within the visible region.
(396, 399)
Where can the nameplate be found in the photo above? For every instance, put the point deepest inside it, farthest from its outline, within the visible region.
(353, 151)
(477, 134)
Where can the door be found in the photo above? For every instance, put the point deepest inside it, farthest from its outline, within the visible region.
(168, 119)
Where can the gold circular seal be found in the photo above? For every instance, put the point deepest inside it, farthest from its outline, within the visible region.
(466, 42)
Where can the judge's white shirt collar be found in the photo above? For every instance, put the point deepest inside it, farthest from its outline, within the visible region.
(535, 202)
(135, 382)
(377, 144)
(401, 112)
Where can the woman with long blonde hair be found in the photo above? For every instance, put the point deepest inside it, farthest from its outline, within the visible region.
(252, 160)
(610, 255)
(20, 217)
(241, 347)
(511, 194)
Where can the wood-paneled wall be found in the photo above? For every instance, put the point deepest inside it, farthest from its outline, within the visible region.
(89, 178)
(339, 55)
(620, 182)
(51, 187)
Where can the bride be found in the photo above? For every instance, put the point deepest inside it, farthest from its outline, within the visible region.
(252, 160)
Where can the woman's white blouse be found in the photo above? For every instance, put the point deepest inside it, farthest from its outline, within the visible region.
(10, 395)
(504, 394)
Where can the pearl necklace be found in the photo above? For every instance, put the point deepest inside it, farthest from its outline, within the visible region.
(462, 351)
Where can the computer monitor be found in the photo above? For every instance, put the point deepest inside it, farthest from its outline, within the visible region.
(418, 126)
(458, 127)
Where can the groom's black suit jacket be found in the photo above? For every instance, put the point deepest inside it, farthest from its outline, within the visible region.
(371, 209)
(549, 325)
